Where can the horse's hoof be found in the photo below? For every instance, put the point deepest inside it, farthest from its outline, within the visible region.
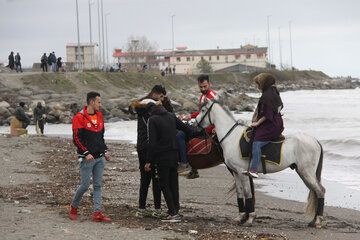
(311, 224)
(249, 222)
(318, 226)
(243, 216)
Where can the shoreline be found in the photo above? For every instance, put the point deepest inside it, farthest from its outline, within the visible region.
(44, 182)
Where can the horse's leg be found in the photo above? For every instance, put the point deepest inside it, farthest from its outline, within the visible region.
(315, 203)
(243, 215)
(248, 191)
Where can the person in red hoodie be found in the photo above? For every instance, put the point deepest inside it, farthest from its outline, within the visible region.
(206, 92)
(88, 136)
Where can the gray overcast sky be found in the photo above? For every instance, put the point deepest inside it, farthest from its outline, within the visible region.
(325, 33)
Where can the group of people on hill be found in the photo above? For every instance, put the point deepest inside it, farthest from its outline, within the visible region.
(55, 64)
(14, 62)
(161, 145)
(168, 70)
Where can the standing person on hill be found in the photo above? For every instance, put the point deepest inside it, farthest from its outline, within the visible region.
(157, 93)
(267, 118)
(18, 62)
(39, 115)
(206, 92)
(21, 116)
(44, 61)
(52, 60)
(88, 136)
(58, 64)
(11, 60)
(163, 156)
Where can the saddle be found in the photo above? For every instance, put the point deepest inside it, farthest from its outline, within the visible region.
(203, 152)
(269, 153)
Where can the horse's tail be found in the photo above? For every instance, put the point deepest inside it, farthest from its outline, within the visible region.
(312, 202)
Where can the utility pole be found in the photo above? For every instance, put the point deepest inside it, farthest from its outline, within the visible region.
(291, 57)
(281, 65)
(268, 33)
(172, 30)
(102, 26)
(99, 29)
(90, 20)
(78, 36)
(107, 43)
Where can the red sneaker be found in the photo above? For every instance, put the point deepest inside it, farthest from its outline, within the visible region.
(99, 217)
(253, 173)
(73, 212)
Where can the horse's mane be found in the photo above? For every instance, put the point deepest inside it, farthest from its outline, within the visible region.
(227, 111)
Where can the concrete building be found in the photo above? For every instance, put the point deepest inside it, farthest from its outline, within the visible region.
(88, 56)
(245, 58)
(157, 60)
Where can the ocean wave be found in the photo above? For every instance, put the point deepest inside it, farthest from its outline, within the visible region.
(342, 157)
(342, 142)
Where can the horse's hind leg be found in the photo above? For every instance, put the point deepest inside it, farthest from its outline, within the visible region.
(315, 204)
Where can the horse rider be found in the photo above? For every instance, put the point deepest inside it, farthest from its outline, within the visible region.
(206, 92)
(267, 118)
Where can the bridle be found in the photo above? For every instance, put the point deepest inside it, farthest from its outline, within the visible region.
(208, 113)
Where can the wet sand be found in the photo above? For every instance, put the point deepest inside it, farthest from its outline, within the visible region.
(39, 176)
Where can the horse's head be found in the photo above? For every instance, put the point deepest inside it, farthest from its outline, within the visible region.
(203, 120)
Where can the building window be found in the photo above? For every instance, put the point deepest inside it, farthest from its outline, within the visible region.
(88, 49)
(226, 58)
(209, 58)
(259, 56)
(89, 65)
(218, 58)
(71, 58)
(88, 57)
(248, 56)
(192, 58)
(202, 58)
(237, 57)
(188, 59)
(178, 59)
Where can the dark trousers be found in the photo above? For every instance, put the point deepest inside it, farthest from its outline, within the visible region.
(44, 67)
(145, 179)
(169, 184)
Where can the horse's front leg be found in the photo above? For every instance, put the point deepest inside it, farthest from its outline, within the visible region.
(243, 215)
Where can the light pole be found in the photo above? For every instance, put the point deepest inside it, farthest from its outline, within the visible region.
(107, 43)
(90, 20)
(99, 29)
(78, 35)
(172, 30)
(291, 59)
(102, 26)
(268, 33)
(280, 51)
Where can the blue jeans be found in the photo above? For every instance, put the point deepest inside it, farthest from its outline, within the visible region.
(256, 154)
(180, 138)
(86, 168)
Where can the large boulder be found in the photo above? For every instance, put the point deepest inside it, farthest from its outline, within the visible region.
(4, 104)
(25, 92)
(51, 119)
(66, 117)
(4, 112)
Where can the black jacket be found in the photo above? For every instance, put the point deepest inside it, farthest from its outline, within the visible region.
(39, 112)
(142, 118)
(162, 127)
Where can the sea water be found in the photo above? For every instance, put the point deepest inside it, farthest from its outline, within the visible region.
(332, 116)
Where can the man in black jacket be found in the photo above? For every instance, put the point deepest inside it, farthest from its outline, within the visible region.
(163, 154)
(156, 94)
(21, 116)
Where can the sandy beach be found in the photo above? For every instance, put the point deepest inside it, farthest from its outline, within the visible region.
(39, 176)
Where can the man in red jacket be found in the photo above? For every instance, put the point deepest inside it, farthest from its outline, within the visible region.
(204, 86)
(88, 137)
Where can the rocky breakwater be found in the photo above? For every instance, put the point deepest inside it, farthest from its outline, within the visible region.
(60, 108)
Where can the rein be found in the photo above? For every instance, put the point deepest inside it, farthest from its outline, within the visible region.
(208, 112)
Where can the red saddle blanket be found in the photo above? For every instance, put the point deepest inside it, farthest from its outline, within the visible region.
(204, 153)
(199, 146)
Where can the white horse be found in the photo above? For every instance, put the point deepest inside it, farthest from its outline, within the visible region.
(300, 151)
